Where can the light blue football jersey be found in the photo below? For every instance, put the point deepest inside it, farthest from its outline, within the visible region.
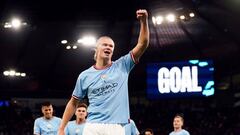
(182, 132)
(131, 128)
(73, 128)
(107, 91)
(43, 126)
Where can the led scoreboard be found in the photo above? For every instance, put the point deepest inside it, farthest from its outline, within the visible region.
(180, 79)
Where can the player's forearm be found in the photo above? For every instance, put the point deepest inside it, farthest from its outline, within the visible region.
(143, 40)
(68, 113)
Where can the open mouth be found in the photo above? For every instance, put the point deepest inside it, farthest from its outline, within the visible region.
(107, 52)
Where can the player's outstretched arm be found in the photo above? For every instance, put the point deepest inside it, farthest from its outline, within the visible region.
(143, 39)
(67, 115)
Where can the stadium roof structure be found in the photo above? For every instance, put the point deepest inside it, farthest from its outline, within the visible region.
(51, 69)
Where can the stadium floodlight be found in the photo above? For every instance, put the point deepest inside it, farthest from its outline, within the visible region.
(191, 14)
(17, 74)
(6, 73)
(24, 23)
(12, 72)
(74, 47)
(157, 20)
(182, 17)
(87, 41)
(23, 74)
(16, 23)
(170, 17)
(68, 47)
(64, 42)
(7, 25)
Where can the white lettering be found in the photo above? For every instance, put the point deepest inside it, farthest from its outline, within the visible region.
(195, 87)
(163, 82)
(186, 79)
(177, 80)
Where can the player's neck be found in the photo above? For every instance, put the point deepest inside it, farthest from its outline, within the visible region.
(80, 121)
(47, 118)
(101, 63)
(177, 129)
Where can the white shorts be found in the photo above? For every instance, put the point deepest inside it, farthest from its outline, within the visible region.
(103, 129)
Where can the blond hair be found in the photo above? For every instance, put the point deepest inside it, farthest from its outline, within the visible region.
(97, 43)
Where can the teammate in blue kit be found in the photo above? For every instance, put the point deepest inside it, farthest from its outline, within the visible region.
(48, 124)
(106, 86)
(75, 127)
(177, 125)
(131, 128)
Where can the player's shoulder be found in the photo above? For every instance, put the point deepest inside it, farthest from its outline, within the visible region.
(122, 59)
(132, 122)
(57, 118)
(39, 119)
(87, 71)
(185, 132)
(72, 122)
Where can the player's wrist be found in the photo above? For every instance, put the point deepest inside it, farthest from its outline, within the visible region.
(61, 127)
(144, 22)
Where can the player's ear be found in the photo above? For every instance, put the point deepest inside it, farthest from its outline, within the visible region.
(42, 109)
(95, 54)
